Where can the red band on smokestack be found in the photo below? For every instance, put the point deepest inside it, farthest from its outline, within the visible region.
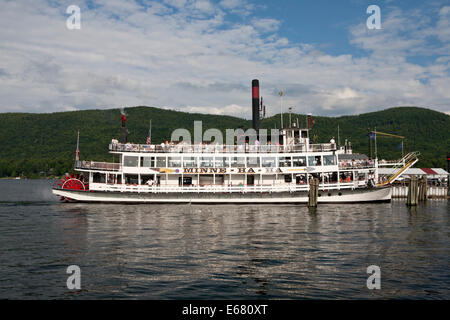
(255, 92)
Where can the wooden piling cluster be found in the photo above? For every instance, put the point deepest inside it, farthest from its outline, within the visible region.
(413, 192)
(417, 191)
(313, 192)
(423, 189)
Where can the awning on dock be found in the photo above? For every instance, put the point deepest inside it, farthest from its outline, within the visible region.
(431, 173)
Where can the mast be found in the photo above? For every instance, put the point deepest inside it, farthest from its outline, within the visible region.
(281, 108)
(149, 137)
(376, 157)
(339, 139)
(290, 117)
(77, 152)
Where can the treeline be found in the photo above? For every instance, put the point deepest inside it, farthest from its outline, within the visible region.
(35, 145)
(35, 168)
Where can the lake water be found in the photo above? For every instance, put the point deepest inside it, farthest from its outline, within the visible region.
(219, 252)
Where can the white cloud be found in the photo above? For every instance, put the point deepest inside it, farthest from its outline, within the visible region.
(230, 4)
(240, 7)
(187, 55)
(226, 110)
(266, 25)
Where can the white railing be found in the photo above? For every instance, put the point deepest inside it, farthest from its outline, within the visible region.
(403, 164)
(216, 188)
(211, 148)
(432, 192)
(92, 165)
(357, 164)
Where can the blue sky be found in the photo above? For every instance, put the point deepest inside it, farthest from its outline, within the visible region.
(201, 55)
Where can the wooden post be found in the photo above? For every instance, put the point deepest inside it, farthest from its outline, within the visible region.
(423, 188)
(413, 194)
(313, 192)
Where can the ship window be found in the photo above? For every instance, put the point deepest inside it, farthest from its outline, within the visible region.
(174, 162)
(99, 177)
(187, 181)
(284, 161)
(299, 161)
(237, 162)
(300, 179)
(146, 178)
(252, 162)
(221, 162)
(206, 162)
(314, 161)
(160, 162)
(111, 178)
(147, 162)
(130, 161)
(329, 160)
(131, 179)
(269, 162)
(190, 162)
(287, 178)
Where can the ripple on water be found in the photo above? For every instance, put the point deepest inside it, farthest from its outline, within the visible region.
(219, 252)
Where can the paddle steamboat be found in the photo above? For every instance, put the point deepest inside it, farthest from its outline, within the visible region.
(278, 169)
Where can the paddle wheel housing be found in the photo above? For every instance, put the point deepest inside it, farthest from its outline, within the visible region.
(72, 182)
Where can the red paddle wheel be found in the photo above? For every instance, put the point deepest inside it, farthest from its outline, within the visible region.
(72, 182)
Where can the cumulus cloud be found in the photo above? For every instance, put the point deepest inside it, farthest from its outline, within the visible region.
(190, 56)
(266, 25)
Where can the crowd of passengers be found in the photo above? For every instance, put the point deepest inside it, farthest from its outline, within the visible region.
(359, 163)
(177, 147)
(184, 146)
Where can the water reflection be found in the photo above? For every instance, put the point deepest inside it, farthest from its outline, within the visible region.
(225, 252)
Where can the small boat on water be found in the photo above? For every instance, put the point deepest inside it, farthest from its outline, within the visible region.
(255, 170)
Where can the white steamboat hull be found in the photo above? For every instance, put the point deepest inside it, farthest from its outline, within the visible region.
(334, 196)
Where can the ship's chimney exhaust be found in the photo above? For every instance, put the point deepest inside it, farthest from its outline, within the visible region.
(255, 104)
(123, 129)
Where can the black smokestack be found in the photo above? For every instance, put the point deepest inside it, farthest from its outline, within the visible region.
(255, 104)
(123, 129)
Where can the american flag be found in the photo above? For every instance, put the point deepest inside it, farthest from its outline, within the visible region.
(148, 140)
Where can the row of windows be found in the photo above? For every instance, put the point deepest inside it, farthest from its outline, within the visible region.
(225, 162)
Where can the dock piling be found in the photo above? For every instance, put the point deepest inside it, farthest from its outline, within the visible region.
(423, 189)
(413, 192)
(313, 192)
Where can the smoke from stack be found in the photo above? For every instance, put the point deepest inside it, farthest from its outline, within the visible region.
(255, 104)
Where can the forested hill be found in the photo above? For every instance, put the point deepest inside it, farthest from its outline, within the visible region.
(44, 144)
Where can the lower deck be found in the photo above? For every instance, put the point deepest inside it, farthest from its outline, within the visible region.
(294, 197)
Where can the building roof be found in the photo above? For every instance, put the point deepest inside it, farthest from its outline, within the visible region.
(437, 172)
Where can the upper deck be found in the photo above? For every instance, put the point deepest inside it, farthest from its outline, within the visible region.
(216, 148)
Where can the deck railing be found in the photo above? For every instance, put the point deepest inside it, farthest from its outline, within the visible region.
(211, 148)
(92, 165)
(218, 188)
(357, 164)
